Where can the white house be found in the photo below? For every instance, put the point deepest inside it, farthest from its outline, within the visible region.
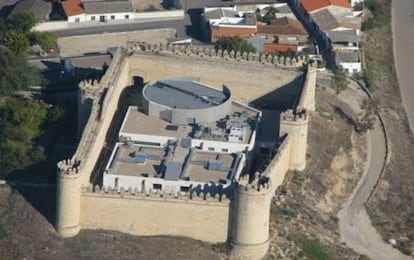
(97, 11)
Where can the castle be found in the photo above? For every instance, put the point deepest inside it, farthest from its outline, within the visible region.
(205, 170)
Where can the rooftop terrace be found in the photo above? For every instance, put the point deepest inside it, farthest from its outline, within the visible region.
(184, 94)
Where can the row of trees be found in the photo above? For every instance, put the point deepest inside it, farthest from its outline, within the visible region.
(16, 34)
(234, 43)
(21, 120)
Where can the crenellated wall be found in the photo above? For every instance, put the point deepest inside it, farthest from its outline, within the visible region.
(224, 55)
(200, 216)
(241, 216)
(307, 96)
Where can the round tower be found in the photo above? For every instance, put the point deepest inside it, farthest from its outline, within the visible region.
(250, 227)
(296, 125)
(68, 192)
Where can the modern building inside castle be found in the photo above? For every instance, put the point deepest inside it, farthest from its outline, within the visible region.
(183, 161)
(184, 136)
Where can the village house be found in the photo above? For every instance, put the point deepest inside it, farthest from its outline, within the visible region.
(282, 34)
(97, 11)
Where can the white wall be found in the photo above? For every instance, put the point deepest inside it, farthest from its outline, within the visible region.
(349, 67)
(160, 15)
(117, 16)
(81, 17)
(218, 146)
(51, 26)
(146, 183)
(163, 140)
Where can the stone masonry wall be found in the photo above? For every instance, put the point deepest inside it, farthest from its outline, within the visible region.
(204, 218)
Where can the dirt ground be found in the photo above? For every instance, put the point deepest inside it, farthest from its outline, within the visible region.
(26, 234)
(78, 45)
(391, 208)
(303, 222)
(306, 206)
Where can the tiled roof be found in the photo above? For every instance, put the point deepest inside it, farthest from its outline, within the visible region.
(103, 7)
(41, 9)
(231, 31)
(72, 7)
(219, 13)
(312, 5)
(93, 61)
(344, 36)
(325, 20)
(347, 56)
(283, 25)
(272, 47)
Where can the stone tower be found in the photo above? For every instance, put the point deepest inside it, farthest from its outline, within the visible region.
(87, 89)
(307, 98)
(295, 123)
(68, 193)
(250, 227)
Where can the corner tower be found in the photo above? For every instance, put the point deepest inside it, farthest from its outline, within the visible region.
(250, 227)
(68, 192)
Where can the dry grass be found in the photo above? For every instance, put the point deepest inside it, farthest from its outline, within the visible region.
(307, 206)
(26, 234)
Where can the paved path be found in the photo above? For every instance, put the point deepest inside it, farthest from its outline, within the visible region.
(355, 226)
(403, 37)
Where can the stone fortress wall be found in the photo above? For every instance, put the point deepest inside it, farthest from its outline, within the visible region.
(242, 219)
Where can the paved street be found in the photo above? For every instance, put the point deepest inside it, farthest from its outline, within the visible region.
(355, 225)
(189, 26)
(403, 37)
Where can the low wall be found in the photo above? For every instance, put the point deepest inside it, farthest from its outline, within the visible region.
(51, 26)
(160, 14)
(153, 215)
(136, 17)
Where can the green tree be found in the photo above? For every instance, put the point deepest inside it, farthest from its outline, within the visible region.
(15, 72)
(46, 40)
(234, 43)
(20, 125)
(56, 113)
(339, 81)
(366, 120)
(3, 29)
(22, 22)
(16, 41)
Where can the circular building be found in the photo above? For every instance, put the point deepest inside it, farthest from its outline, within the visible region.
(185, 101)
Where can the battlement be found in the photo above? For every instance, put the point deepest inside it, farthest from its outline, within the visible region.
(290, 115)
(207, 52)
(150, 194)
(68, 167)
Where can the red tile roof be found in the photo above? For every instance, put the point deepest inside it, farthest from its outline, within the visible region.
(282, 25)
(72, 7)
(231, 31)
(312, 5)
(273, 47)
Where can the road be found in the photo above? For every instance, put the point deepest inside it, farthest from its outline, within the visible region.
(355, 225)
(403, 37)
(189, 26)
